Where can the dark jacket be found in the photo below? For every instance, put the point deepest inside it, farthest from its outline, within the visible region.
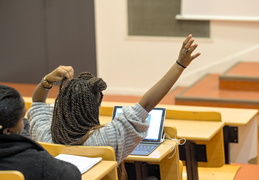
(20, 153)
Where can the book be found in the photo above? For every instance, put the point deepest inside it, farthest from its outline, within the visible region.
(81, 162)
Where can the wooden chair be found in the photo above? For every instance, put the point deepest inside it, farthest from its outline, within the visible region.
(106, 152)
(166, 165)
(193, 115)
(11, 175)
(172, 132)
(215, 144)
(214, 148)
(28, 101)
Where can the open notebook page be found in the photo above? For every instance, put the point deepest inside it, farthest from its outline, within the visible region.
(82, 163)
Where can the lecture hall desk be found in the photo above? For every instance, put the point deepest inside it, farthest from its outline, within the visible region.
(245, 119)
(102, 170)
(160, 156)
(246, 123)
(166, 156)
(208, 133)
(242, 151)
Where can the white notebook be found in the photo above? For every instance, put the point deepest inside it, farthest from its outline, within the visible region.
(81, 162)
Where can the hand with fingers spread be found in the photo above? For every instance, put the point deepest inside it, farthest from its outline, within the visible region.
(185, 56)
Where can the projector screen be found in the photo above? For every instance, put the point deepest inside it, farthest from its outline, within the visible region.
(239, 9)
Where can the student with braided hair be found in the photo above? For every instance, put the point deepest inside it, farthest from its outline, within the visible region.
(77, 109)
(74, 119)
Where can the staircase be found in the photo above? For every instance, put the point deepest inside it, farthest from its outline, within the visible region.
(238, 87)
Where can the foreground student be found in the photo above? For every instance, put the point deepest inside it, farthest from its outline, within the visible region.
(21, 153)
(74, 119)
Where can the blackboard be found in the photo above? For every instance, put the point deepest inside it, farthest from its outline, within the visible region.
(157, 18)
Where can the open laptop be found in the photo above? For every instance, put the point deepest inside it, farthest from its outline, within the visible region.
(154, 134)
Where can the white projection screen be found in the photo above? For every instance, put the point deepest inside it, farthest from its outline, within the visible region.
(220, 9)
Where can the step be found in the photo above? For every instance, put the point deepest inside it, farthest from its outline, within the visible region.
(206, 92)
(243, 76)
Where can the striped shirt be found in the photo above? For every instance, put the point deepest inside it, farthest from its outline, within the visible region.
(123, 133)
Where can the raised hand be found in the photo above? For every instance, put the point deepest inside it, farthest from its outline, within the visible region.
(185, 55)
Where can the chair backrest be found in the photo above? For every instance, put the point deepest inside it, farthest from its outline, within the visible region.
(171, 131)
(193, 115)
(106, 152)
(106, 110)
(28, 101)
(11, 175)
(175, 114)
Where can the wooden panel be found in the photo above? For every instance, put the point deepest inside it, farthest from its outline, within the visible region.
(11, 175)
(236, 83)
(104, 170)
(214, 150)
(106, 152)
(227, 172)
(70, 29)
(22, 34)
(193, 115)
(39, 35)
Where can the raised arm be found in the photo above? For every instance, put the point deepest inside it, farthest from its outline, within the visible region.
(42, 90)
(156, 93)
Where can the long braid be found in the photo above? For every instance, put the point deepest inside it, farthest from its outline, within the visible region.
(76, 110)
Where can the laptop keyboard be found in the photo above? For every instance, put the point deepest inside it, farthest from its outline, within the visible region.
(144, 149)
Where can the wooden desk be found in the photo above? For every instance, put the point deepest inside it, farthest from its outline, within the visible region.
(106, 169)
(102, 170)
(168, 167)
(166, 156)
(195, 130)
(205, 133)
(227, 172)
(228, 114)
(208, 133)
(243, 151)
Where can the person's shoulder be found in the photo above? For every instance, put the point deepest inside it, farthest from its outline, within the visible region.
(58, 169)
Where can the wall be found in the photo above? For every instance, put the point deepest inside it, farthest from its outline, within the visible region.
(131, 65)
(36, 36)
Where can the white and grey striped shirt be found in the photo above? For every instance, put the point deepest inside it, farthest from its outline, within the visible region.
(123, 133)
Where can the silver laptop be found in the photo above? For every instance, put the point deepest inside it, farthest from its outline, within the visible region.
(154, 136)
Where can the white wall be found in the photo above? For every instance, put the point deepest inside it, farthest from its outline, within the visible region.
(131, 65)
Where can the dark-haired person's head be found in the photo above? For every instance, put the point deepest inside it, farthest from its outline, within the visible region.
(76, 111)
(12, 111)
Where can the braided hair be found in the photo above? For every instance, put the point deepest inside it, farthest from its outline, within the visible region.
(76, 110)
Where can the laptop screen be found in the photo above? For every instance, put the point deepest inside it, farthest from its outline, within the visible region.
(156, 123)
